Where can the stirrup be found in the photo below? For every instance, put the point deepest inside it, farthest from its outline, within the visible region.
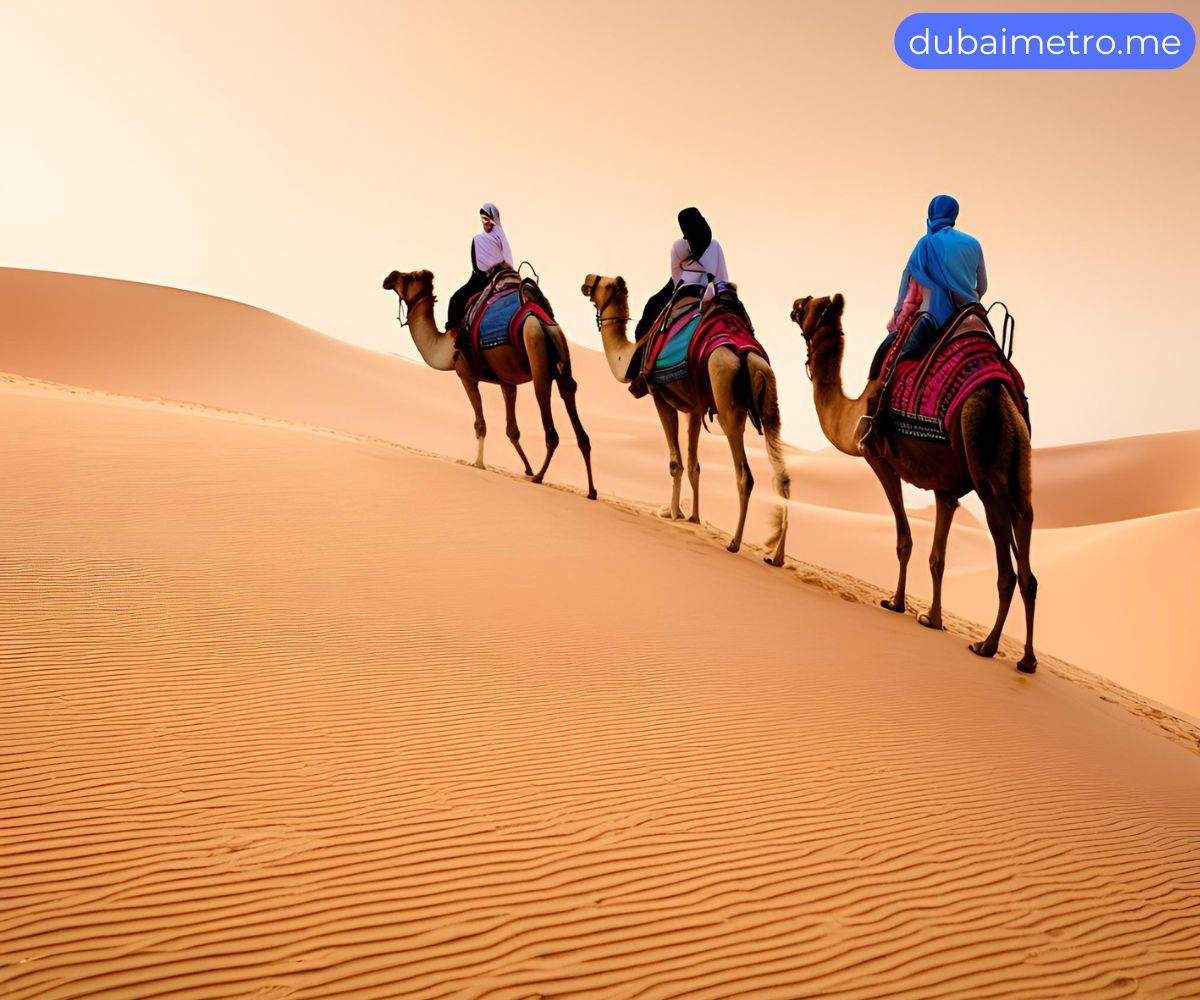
(861, 439)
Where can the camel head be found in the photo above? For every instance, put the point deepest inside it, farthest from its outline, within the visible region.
(820, 320)
(605, 291)
(409, 285)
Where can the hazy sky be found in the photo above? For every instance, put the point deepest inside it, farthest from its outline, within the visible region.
(289, 154)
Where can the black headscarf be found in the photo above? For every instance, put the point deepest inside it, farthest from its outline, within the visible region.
(695, 230)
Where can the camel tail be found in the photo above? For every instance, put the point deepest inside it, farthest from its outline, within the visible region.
(560, 357)
(764, 404)
(998, 450)
(1021, 473)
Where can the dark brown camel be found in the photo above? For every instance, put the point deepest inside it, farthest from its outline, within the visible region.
(989, 452)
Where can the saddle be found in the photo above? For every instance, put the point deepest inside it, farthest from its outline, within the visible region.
(495, 315)
(685, 335)
(921, 397)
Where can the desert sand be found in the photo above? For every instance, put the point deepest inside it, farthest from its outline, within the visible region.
(297, 706)
(1117, 529)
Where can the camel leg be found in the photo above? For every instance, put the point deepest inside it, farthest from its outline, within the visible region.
(471, 385)
(891, 486)
(539, 366)
(1000, 525)
(513, 431)
(566, 389)
(777, 540)
(947, 504)
(1023, 535)
(695, 423)
(733, 423)
(670, 425)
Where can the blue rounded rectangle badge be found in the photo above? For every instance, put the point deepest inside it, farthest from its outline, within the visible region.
(1045, 41)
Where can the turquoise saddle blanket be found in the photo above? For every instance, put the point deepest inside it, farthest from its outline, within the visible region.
(671, 360)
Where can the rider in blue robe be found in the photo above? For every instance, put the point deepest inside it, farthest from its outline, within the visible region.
(945, 271)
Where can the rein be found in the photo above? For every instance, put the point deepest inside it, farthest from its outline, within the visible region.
(601, 319)
(406, 307)
(808, 341)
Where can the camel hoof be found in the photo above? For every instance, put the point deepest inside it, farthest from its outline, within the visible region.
(889, 604)
(538, 478)
(694, 519)
(591, 494)
(770, 561)
(669, 515)
(529, 473)
(928, 622)
(1027, 665)
(981, 649)
(733, 546)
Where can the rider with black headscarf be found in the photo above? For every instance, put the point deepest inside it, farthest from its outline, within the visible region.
(696, 260)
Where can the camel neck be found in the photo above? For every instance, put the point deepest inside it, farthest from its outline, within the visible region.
(614, 326)
(435, 347)
(838, 414)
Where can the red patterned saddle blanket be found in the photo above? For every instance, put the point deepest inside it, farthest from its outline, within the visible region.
(923, 396)
(689, 331)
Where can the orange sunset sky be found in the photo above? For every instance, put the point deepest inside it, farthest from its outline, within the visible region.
(289, 154)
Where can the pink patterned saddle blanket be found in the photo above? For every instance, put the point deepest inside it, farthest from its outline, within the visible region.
(923, 396)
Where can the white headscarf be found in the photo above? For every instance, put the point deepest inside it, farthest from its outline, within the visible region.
(492, 248)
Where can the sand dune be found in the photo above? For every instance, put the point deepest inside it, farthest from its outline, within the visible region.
(301, 714)
(1140, 566)
(1099, 499)
(145, 340)
(1104, 481)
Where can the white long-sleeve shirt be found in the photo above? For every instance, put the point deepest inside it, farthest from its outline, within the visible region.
(686, 271)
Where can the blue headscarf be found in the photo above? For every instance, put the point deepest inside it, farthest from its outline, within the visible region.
(943, 211)
(945, 261)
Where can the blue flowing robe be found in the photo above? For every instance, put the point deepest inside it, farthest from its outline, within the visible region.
(950, 265)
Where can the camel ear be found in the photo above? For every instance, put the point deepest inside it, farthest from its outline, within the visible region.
(424, 275)
(619, 282)
(836, 305)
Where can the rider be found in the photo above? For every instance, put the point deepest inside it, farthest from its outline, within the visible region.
(696, 259)
(944, 272)
(488, 248)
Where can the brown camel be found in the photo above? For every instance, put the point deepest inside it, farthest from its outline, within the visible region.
(508, 367)
(989, 452)
(734, 398)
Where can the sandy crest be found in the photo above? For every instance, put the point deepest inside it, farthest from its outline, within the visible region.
(296, 714)
(1108, 601)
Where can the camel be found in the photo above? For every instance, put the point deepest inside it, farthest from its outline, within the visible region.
(734, 397)
(508, 366)
(989, 452)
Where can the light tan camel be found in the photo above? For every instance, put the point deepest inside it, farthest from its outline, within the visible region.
(989, 452)
(734, 397)
(546, 360)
